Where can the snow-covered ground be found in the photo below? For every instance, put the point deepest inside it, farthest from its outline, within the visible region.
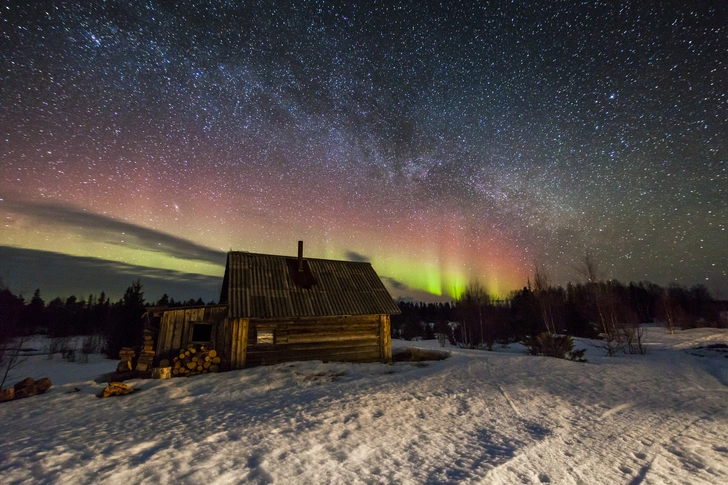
(477, 417)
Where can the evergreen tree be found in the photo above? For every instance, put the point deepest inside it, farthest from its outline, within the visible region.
(126, 320)
(34, 314)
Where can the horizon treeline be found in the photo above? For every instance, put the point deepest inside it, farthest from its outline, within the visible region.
(119, 323)
(593, 309)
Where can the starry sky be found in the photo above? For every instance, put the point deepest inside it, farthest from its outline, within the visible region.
(444, 143)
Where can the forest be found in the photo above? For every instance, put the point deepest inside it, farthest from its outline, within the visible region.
(599, 309)
(594, 308)
(113, 324)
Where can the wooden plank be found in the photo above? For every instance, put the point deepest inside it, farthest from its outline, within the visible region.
(385, 339)
(245, 323)
(374, 349)
(331, 337)
(372, 342)
(234, 336)
(239, 343)
(162, 335)
(169, 318)
(177, 331)
(370, 354)
(183, 327)
(329, 328)
(224, 341)
(336, 320)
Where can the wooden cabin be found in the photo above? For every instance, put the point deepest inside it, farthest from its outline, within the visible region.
(277, 309)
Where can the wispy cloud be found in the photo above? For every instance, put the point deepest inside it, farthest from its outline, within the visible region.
(354, 256)
(396, 284)
(24, 270)
(112, 231)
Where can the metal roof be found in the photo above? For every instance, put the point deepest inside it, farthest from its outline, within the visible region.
(262, 286)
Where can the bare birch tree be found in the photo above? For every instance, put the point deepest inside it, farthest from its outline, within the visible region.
(541, 291)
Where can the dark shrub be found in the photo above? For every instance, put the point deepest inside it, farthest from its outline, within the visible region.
(552, 345)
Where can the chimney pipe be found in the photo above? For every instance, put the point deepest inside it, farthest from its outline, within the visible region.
(300, 256)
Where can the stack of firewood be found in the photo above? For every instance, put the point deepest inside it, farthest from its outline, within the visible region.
(126, 354)
(146, 356)
(195, 360)
(115, 389)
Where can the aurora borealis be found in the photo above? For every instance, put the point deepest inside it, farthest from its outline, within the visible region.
(443, 143)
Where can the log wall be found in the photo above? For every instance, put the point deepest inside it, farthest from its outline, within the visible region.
(176, 326)
(361, 338)
(236, 330)
(385, 339)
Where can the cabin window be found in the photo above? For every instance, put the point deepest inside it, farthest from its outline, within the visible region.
(202, 332)
(266, 336)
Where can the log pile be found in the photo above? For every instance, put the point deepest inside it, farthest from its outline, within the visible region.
(195, 360)
(161, 372)
(25, 388)
(116, 389)
(126, 354)
(146, 356)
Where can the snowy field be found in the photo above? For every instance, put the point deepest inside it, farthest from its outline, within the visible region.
(478, 417)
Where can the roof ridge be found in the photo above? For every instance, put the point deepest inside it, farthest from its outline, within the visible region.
(248, 253)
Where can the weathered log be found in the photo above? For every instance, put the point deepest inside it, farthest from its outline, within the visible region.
(7, 394)
(25, 383)
(25, 392)
(330, 345)
(42, 385)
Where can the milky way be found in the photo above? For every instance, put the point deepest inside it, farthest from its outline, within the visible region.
(442, 143)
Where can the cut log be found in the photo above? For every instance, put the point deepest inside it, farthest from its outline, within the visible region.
(25, 383)
(42, 385)
(216, 360)
(26, 392)
(191, 365)
(212, 353)
(7, 394)
(161, 372)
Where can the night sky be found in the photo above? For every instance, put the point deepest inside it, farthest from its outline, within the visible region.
(443, 143)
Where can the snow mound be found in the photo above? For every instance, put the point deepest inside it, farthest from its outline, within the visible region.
(475, 417)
